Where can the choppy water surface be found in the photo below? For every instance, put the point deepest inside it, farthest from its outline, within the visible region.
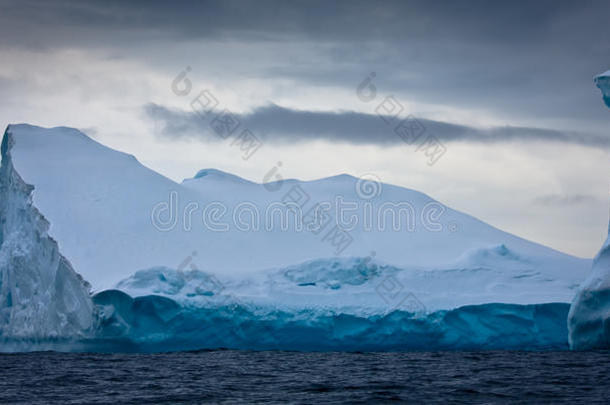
(239, 376)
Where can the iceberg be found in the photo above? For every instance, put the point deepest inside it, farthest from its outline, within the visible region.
(589, 316)
(178, 266)
(42, 298)
(603, 82)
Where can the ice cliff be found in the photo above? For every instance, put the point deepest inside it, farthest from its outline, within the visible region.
(41, 297)
(589, 317)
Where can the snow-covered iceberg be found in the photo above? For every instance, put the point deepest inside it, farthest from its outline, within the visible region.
(184, 265)
(589, 317)
(113, 216)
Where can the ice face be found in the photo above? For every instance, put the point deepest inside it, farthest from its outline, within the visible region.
(41, 296)
(589, 317)
(154, 323)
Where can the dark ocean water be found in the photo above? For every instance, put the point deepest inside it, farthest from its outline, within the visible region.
(292, 377)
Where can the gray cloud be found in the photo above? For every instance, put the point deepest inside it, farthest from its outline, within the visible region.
(343, 20)
(273, 123)
(93, 63)
(520, 60)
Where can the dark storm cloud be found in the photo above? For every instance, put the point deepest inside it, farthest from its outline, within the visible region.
(277, 124)
(560, 25)
(518, 60)
(347, 20)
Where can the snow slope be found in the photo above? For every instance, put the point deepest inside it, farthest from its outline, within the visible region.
(589, 318)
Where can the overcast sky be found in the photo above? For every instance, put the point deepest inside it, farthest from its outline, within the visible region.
(506, 87)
